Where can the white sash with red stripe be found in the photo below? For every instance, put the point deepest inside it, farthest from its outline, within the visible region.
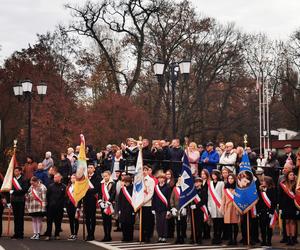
(70, 194)
(205, 212)
(266, 199)
(287, 191)
(177, 192)
(274, 219)
(197, 199)
(229, 194)
(91, 186)
(127, 195)
(105, 195)
(253, 212)
(214, 195)
(16, 184)
(36, 196)
(161, 195)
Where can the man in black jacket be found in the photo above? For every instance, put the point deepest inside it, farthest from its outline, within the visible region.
(287, 156)
(89, 202)
(17, 198)
(55, 206)
(176, 154)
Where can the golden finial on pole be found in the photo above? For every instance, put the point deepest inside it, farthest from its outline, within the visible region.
(245, 140)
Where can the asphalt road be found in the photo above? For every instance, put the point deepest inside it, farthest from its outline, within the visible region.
(27, 244)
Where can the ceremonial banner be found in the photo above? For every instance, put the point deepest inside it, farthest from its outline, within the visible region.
(138, 184)
(187, 189)
(245, 195)
(81, 185)
(7, 182)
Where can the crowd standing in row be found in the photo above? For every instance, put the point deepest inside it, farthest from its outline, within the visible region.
(45, 189)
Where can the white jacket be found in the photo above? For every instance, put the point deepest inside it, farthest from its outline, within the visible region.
(229, 159)
(211, 205)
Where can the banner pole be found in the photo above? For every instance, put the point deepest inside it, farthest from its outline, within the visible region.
(141, 224)
(193, 225)
(8, 222)
(248, 229)
(83, 221)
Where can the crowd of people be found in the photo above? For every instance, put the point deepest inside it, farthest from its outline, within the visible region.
(45, 189)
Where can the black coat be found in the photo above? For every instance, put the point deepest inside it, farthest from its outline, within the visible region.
(157, 204)
(56, 196)
(147, 156)
(176, 155)
(261, 205)
(166, 157)
(130, 156)
(287, 204)
(90, 197)
(282, 159)
(19, 195)
(126, 209)
(111, 190)
(65, 168)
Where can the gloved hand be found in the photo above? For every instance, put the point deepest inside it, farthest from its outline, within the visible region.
(183, 211)
(153, 212)
(8, 205)
(102, 204)
(11, 191)
(193, 207)
(65, 210)
(270, 216)
(99, 201)
(108, 203)
(168, 213)
(174, 211)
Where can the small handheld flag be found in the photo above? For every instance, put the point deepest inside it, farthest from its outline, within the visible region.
(138, 184)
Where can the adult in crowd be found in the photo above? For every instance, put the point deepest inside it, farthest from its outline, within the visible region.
(65, 168)
(288, 156)
(228, 157)
(36, 205)
(55, 206)
(17, 198)
(210, 158)
(166, 154)
(70, 154)
(193, 156)
(130, 153)
(158, 157)
(90, 154)
(147, 153)
(48, 161)
(41, 174)
(176, 155)
(272, 166)
(117, 164)
(29, 167)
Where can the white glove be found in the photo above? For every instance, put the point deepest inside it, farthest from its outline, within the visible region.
(99, 201)
(183, 211)
(11, 191)
(102, 205)
(78, 210)
(108, 203)
(297, 213)
(168, 213)
(153, 212)
(270, 216)
(193, 206)
(174, 211)
(8, 205)
(65, 210)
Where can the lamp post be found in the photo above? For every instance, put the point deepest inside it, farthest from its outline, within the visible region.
(173, 69)
(24, 92)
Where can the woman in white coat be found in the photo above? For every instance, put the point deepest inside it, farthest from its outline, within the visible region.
(215, 193)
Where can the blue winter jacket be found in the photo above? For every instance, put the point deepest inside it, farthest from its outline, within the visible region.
(213, 160)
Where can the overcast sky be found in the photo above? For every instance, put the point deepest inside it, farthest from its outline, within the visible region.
(20, 20)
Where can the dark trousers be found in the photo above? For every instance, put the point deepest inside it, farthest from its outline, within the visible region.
(18, 211)
(265, 229)
(161, 224)
(147, 223)
(1, 214)
(233, 230)
(54, 215)
(253, 225)
(181, 226)
(90, 218)
(218, 227)
(199, 225)
(127, 231)
(171, 227)
(107, 224)
(206, 231)
(74, 223)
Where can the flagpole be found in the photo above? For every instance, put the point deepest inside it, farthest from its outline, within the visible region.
(83, 221)
(9, 209)
(193, 225)
(141, 224)
(248, 228)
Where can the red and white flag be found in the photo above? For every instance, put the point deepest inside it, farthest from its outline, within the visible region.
(7, 181)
